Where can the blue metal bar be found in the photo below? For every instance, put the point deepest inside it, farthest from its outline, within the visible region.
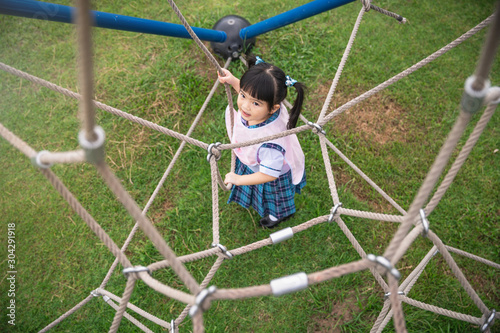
(291, 16)
(60, 13)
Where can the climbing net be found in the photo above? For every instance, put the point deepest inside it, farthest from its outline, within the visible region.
(413, 222)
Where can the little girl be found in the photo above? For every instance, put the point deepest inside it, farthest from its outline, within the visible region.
(268, 174)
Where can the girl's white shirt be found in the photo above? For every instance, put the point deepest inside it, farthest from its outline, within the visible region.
(251, 156)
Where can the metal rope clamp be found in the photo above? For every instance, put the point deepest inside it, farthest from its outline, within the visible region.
(135, 269)
(224, 250)
(37, 162)
(489, 321)
(94, 151)
(425, 223)
(172, 326)
(333, 211)
(210, 153)
(317, 127)
(387, 295)
(95, 293)
(200, 298)
(385, 264)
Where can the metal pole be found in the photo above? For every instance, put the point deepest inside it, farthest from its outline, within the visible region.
(60, 13)
(291, 16)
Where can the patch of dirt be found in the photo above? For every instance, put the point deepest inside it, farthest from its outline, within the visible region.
(343, 312)
(378, 119)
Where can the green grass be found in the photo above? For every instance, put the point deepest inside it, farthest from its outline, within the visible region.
(393, 137)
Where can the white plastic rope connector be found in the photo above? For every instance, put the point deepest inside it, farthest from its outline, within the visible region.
(94, 151)
(37, 161)
(282, 235)
(472, 100)
(385, 263)
(289, 284)
(493, 96)
(200, 298)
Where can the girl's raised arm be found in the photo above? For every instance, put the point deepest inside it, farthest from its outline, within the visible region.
(230, 79)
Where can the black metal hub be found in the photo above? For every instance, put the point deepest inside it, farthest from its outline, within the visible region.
(234, 45)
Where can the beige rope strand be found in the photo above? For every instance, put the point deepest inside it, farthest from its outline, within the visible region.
(129, 288)
(381, 317)
(462, 157)
(427, 186)
(441, 311)
(134, 308)
(410, 280)
(203, 285)
(215, 201)
(205, 51)
(77, 156)
(334, 272)
(365, 177)
(67, 314)
(399, 319)
(370, 215)
(488, 52)
(103, 106)
(16, 142)
(457, 272)
(474, 257)
(328, 169)
(115, 185)
(85, 70)
(187, 258)
(343, 61)
(89, 220)
(165, 175)
(406, 72)
(166, 290)
(134, 321)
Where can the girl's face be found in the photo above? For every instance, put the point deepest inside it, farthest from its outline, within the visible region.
(254, 111)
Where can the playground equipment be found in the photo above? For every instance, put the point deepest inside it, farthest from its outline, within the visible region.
(91, 139)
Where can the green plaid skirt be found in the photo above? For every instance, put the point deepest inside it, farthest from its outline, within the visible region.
(275, 198)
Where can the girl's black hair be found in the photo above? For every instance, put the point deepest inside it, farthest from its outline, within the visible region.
(267, 83)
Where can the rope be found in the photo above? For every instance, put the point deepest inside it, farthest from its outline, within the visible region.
(343, 61)
(85, 72)
(441, 311)
(134, 308)
(130, 318)
(460, 160)
(428, 184)
(67, 314)
(129, 288)
(115, 185)
(165, 175)
(103, 107)
(395, 251)
(406, 72)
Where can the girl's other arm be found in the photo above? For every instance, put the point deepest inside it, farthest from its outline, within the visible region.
(230, 79)
(253, 179)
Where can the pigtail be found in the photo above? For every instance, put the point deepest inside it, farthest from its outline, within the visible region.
(297, 106)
